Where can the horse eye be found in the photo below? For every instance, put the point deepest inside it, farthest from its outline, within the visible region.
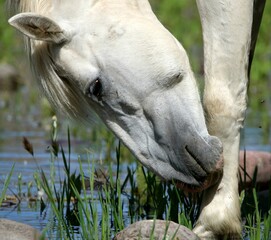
(96, 89)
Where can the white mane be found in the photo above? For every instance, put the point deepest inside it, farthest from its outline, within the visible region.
(45, 7)
(60, 92)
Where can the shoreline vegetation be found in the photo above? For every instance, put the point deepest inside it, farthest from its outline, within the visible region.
(97, 203)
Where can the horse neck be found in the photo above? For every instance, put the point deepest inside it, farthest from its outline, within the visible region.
(46, 6)
(139, 5)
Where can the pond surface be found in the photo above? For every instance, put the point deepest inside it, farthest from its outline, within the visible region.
(27, 121)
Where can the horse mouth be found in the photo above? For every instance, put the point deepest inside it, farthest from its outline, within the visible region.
(209, 181)
(205, 178)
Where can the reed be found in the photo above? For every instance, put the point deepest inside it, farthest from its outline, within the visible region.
(6, 184)
(86, 210)
(97, 203)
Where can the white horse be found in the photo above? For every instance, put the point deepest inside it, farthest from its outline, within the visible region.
(115, 58)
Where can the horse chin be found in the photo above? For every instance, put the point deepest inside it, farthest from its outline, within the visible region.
(211, 180)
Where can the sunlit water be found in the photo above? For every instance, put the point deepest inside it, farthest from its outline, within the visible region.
(17, 124)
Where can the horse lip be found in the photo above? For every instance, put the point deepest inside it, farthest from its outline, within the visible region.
(204, 182)
(209, 181)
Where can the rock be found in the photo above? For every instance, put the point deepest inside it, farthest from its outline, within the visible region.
(11, 230)
(250, 160)
(144, 229)
(10, 78)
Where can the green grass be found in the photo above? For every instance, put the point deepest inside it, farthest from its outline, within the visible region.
(5, 185)
(258, 226)
(104, 211)
(81, 210)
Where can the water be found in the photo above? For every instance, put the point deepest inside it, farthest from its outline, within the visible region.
(12, 151)
(27, 121)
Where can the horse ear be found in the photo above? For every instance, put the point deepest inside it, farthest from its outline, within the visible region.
(38, 27)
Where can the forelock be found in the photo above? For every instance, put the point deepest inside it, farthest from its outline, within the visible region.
(62, 94)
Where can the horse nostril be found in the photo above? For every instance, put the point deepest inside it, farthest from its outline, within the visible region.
(195, 158)
(194, 165)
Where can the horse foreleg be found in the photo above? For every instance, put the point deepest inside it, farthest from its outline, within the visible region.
(220, 210)
(227, 33)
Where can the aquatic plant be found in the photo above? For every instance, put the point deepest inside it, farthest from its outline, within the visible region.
(98, 203)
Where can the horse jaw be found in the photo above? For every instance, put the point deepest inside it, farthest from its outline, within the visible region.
(167, 134)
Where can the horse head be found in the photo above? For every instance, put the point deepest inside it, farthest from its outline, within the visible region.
(117, 59)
